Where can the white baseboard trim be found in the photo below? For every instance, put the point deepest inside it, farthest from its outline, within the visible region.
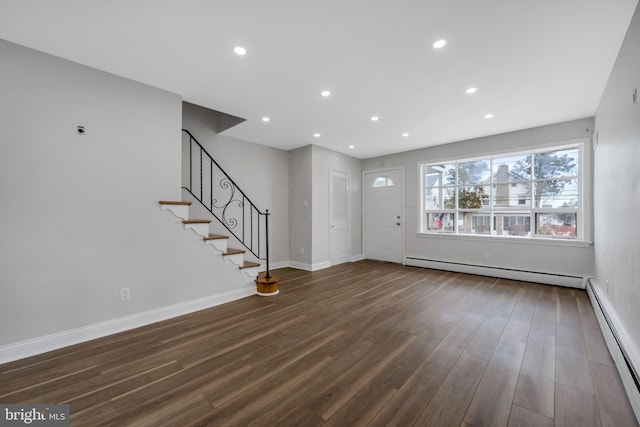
(274, 265)
(300, 265)
(624, 353)
(505, 273)
(32, 347)
(309, 267)
(356, 258)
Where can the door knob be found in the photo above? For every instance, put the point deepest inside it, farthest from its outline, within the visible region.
(398, 223)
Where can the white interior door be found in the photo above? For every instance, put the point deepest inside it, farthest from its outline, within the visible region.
(339, 217)
(383, 215)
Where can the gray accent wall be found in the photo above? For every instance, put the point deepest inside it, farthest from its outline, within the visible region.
(568, 258)
(617, 192)
(300, 209)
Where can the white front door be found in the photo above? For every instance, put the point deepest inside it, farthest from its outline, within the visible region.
(339, 217)
(383, 215)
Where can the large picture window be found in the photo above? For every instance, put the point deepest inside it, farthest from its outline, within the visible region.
(526, 194)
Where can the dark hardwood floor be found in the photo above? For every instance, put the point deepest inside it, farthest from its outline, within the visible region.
(360, 344)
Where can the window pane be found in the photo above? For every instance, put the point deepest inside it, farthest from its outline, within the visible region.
(474, 223)
(513, 225)
(472, 197)
(383, 181)
(438, 175)
(530, 193)
(440, 221)
(516, 194)
(557, 193)
(440, 198)
(557, 224)
(476, 172)
(512, 168)
(556, 164)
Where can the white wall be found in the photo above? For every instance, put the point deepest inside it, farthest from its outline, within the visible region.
(617, 192)
(261, 172)
(80, 214)
(565, 258)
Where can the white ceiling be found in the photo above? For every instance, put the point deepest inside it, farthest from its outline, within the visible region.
(533, 62)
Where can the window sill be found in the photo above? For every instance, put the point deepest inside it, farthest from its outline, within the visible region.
(508, 240)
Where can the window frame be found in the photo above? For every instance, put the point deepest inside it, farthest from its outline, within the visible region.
(583, 199)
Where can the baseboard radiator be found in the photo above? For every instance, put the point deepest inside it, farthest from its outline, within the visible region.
(619, 347)
(506, 273)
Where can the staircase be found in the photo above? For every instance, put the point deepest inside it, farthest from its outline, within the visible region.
(217, 241)
(224, 201)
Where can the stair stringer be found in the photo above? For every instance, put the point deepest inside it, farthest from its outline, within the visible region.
(202, 231)
(196, 210)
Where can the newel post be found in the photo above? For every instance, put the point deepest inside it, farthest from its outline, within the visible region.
(267, 285)
(266, 227)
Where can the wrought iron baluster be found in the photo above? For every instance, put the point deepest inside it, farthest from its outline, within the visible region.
(190, 163)
(211, 184)
(222, 209)
(266, 226)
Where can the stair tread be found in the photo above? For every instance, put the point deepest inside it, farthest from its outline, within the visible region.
(215, 237)
(170, 202)
(233, 251)
(249, 264)
(196, 221)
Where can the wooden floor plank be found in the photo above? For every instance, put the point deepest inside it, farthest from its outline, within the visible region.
(363, 407)
(536, 383)
(450, 402)
(613, 404)
(364, 343)
(522, 417)
(406, 405)
(492, 401)
(575, 408)
(448, 351)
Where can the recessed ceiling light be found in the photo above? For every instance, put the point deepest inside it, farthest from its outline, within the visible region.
(488, 116)
(266, 119)
(239, 50)
(375, 118)
(439, 44)
(405, 135)
(471, 90)
(325, 93)
(352, 147)
(316, 135)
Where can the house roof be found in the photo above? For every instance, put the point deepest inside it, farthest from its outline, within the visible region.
(533, 63)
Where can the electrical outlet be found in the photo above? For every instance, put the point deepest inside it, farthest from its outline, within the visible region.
(125, 294)
(487, 256)
(302, 251)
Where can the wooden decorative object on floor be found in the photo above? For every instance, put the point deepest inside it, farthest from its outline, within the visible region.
(267, 287)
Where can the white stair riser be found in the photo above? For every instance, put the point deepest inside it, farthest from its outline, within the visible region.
(199, 229)
(251, 272)
(181, 211)
(237, 259)
(219, 244)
